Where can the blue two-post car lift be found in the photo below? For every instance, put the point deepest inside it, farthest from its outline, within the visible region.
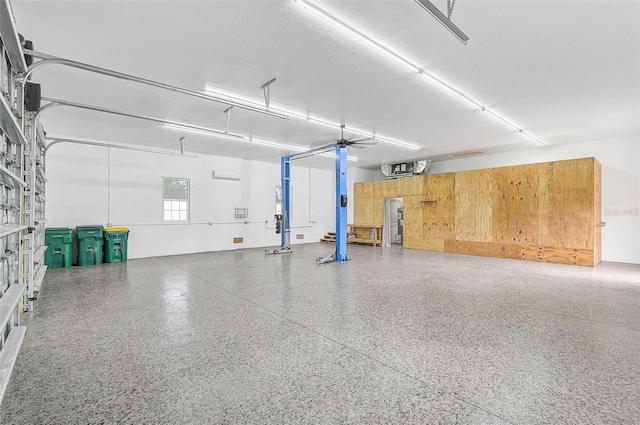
(282, 220)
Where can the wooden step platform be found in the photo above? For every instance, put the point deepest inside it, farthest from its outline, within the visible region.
(364, 241)
(330, 237)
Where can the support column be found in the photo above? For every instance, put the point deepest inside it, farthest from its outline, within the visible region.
(341, 204)
(285, 173)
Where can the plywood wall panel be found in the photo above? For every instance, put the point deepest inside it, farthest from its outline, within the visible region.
(578, 257)
(426, 244)
(539, 212)
(515, 205)
(362, 208)
(531, 253)
(411, 186)
(512, 251)
(378, 189)
(363, 202)
(547, 254)
(597, 212)
(565, 218)
(377, 211)
(386, 189)
(403, 186)
(413, 215)
(439, 216)
(473, 205)
(440, 186)
(364, 189)
(486, 249)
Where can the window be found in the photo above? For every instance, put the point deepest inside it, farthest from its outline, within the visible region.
(175, 199)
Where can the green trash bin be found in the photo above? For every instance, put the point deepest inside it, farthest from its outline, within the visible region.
(115, 244)
(59, 242)
(90, 242)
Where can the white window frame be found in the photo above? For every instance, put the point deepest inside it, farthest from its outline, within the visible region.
(175, 203)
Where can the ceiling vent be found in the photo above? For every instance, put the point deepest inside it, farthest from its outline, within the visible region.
(406, 169)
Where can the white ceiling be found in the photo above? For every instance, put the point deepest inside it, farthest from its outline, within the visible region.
(565, 71)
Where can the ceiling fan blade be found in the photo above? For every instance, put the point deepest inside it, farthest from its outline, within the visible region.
(362, 144)
(361, 140)
(313, 146)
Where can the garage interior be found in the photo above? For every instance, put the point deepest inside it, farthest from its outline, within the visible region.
(492, 169)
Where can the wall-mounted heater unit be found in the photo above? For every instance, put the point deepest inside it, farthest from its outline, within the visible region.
(406, 169)
(225, 175)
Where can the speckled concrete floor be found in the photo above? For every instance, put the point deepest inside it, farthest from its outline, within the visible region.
(392, 336)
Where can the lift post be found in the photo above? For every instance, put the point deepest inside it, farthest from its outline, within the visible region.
(341, 204)
(285, 185)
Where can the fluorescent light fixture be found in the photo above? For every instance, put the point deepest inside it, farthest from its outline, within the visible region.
(204, 130)
(354, 32)
(512, 125)
(500, 118)
(400, 59)
(313, 119)
(275, 144)
(429, 7)
(214, 132)
(451, 89)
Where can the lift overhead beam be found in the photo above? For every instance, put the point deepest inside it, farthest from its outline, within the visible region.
(312, 152)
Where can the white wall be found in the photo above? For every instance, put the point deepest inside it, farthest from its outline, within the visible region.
(78, 193)
(620, 159)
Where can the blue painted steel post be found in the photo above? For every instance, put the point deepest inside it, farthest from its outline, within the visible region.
(285, 174)
(341, 204)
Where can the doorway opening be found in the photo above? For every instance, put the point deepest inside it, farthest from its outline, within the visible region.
(394, 220)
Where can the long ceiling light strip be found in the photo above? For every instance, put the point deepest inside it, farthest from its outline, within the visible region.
(359, 35)
(400, 59)
(205, 130)
(218, 133)
(310, 118)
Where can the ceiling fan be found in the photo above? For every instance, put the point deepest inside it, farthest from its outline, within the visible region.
(359, 143)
